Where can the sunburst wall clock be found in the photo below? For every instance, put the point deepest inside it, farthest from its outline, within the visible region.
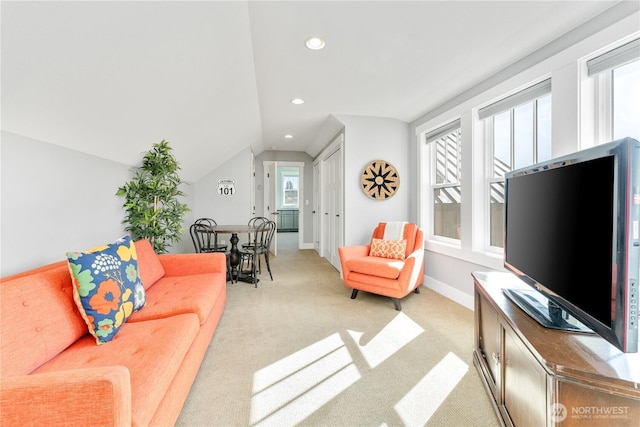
(380, 180)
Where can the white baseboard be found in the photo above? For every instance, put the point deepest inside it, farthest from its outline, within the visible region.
(450, 292)
(307, 246)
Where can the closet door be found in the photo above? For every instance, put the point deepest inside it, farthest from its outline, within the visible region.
(332, 208)
(316, 207)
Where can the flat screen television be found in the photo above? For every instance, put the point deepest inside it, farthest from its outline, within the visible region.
(572, 232)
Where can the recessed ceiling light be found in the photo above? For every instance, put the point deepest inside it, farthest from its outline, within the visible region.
(297, 101)
(288, 136)
(315, 43)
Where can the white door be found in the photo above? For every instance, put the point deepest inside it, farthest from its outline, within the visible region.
(332, 220)
(316, 207)
(252, 198)
(270, 208)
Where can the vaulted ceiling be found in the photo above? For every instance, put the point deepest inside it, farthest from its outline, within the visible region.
(215, 77)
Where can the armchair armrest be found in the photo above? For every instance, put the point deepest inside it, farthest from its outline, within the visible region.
(349, 252)
(91, 397)
(413, 269)
(185, 264)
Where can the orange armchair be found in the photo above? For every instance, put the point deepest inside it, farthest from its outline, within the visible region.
(391, 265)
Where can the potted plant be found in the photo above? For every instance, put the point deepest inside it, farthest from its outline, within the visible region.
(152, 205)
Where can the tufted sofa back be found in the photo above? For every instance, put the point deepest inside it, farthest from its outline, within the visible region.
(37, 308)
(38, 318)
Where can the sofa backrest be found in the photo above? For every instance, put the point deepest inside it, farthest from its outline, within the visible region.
(150, 268)
(38, 318)
(411, 233)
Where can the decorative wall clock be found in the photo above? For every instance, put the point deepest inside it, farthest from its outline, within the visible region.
(380, 180)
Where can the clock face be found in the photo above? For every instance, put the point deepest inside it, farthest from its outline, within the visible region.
(380, 180)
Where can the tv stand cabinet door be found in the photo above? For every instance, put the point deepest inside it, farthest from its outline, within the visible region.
(488, 340)
(525, 384)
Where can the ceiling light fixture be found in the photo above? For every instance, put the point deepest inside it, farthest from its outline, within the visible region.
(297, 101)
(315, 43)
(289, 136)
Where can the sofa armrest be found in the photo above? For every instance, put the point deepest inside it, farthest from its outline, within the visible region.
(89, 397)
(185, 264)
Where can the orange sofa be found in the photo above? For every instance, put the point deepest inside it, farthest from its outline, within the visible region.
(52, 373)
(383, 274)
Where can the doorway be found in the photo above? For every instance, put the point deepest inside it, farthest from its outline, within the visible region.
(283, 196)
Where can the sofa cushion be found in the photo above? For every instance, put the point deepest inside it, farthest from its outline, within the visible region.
(195, 293)
(376, 266)
(151, 269)
(107, 287)
(393, 249)
(152, 351)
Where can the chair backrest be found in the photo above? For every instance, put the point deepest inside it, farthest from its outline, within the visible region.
(260, 238)
(206, 221)
(268, 230)
(256, 221)
(201, 236)
(411, 233)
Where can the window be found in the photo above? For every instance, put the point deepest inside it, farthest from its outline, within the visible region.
(290, 191)
(518, 134)
(616, 74)
(445, 180)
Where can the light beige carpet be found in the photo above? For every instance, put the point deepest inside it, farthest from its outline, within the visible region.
(298, 351)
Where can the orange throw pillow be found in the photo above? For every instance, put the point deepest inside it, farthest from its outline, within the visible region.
(393, 249)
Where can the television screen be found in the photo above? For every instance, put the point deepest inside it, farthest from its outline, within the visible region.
(571, 232)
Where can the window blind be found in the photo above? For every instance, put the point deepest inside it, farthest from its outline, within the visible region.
(538, 90)
(442, 131)
(614, 58)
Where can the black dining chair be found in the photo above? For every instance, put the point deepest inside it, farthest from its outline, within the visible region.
(264, 251)
(254, 222)
(201, 235)
(212, 244)
(260, 240)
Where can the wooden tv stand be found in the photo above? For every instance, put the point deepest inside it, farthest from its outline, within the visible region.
(546, 377)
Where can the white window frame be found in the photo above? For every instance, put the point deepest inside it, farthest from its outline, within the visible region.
(295, 179)
(508, 103)
(598, 80)
(429, 138)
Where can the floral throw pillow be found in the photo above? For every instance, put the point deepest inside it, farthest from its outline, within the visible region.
(393, 249)
(106, 286)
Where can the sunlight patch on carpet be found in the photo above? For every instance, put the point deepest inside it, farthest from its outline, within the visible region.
(289, 390)
(398, 333)
(417, 406)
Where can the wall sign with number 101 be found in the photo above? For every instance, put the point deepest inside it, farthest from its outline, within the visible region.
(226, 186)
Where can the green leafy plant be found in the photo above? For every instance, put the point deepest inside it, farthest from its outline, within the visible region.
(152, 205)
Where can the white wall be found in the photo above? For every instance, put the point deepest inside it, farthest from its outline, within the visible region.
(367, 139)
(56, 200)
(235, 209)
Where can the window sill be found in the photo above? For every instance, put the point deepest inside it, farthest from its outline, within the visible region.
(484, 259)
